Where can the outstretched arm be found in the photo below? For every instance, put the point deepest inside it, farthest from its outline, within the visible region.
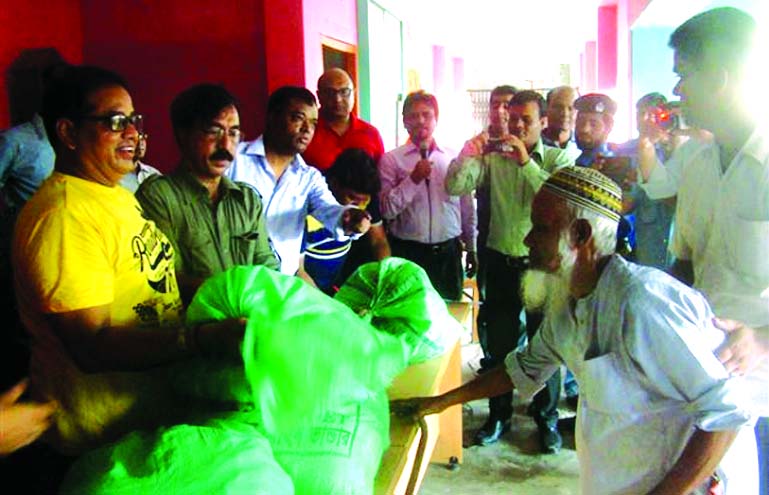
(491, 384)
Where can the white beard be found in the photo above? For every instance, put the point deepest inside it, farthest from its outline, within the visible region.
(549, 292)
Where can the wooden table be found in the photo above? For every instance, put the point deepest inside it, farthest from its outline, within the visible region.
(444, 430)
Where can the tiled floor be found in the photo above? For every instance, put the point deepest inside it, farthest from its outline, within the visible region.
(511, 466)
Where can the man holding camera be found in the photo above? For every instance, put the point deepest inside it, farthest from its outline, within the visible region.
(654, 119)
(514, 167)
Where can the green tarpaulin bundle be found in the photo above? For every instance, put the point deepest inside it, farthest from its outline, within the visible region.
(396, 296)
(315, 373)
(304, 354)
(227, 457)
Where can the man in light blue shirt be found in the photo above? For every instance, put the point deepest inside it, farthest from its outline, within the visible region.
(26, 160)
(290, 188)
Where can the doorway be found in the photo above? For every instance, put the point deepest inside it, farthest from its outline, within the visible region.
(340, 55)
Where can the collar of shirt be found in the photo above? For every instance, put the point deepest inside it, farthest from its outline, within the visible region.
(553, 143)
(412, 148)
(37, 121)
(757, 146)
(256, 148)
(587, 157)
(355, 125)
(538, 152)
(226, 186)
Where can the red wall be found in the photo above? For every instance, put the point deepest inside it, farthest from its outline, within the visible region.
(28, 25)
(250, 46)
(284, 43)
(161, 48)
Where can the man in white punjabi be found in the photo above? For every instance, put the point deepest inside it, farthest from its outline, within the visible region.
(658, 412)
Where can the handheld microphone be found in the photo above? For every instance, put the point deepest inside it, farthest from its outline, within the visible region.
(424, 153)
(424, 150)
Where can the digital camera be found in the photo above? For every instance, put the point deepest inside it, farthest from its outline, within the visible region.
(668, 117)
(497, 146)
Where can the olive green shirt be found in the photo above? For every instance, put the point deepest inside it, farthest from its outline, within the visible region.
(512, 190)
(208, 238)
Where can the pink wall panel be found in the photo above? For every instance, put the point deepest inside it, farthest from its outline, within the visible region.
(589, 71)
(607, 46)
(335, 19)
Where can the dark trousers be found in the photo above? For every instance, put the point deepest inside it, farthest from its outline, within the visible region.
(441, 261)
(503, 307)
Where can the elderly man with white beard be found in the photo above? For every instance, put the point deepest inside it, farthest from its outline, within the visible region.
(658, 412)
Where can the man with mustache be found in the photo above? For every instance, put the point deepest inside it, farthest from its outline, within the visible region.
(425, 221)
(291, 189)
(658, 412)
(513, 174)
(212, 222)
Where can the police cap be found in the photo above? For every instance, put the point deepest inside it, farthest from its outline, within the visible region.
(596, 103)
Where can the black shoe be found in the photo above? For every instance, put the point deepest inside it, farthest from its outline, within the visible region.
(549, 439)
(568, 424)
(491, 431)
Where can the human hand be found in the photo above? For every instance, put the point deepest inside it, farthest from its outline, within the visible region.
(745, 348)
(617, 168)
(21, 423)
(221, 338)
(475, 145)
(519, 152)
(421, 171)
(355, 221)
(647, 157)
(471, 264)
(415, 407)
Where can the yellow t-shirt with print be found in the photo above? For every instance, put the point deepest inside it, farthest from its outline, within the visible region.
(79, 244)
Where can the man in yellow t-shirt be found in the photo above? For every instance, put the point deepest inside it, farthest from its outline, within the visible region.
(95, 281)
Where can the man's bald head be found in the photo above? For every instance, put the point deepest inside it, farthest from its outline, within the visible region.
(334, 76)
(336, 95)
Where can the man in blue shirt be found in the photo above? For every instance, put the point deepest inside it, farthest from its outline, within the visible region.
(290, 188)
(595, 121)
(653, 218)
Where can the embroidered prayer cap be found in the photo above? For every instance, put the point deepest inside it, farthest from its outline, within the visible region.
(587, 188)
(597, 103)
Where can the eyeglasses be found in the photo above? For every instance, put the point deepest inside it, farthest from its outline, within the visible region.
(118, 122)
(332, 93)
(216, 133)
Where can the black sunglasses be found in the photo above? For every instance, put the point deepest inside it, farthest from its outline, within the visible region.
(117, 122)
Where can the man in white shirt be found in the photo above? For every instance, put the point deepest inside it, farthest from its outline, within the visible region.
(424, 221)
(291, 189)
(658, 413)
(721, 237)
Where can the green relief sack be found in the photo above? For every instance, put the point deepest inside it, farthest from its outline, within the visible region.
(395, 295)
(304, 353)
(223, 457)
(340, 453)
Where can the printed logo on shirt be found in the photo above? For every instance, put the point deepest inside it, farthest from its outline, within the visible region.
(156, 258)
